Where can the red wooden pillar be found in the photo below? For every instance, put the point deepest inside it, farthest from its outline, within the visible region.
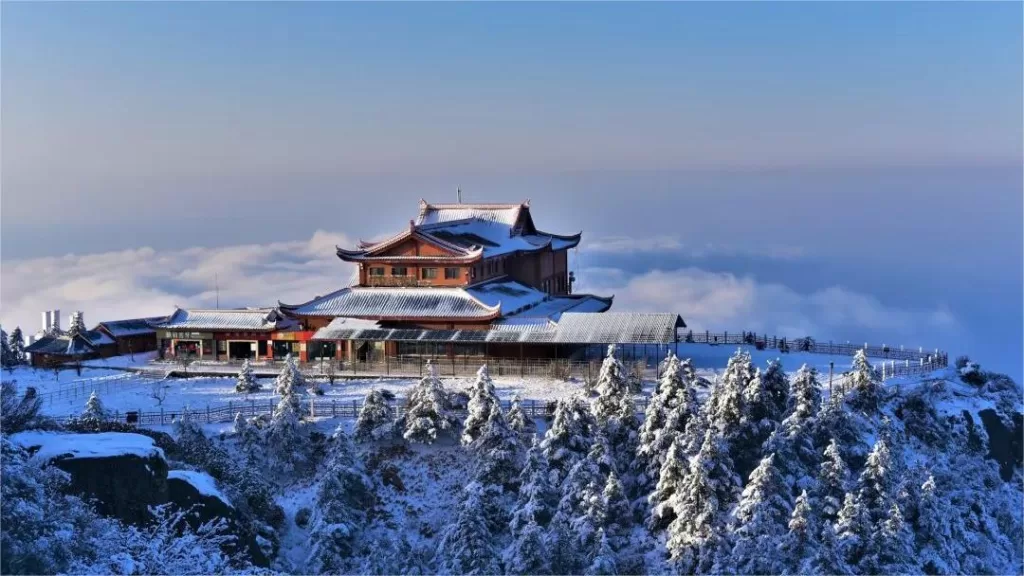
(338, 353)
(270, 349)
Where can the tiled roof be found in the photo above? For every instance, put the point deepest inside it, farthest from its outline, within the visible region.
(65, 345)
(507, 214)
(512, 295)
(131, 327)
(553, 308)
(250, 319)
(497, 238)
(383, 303)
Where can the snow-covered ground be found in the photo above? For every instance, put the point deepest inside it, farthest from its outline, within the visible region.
(65, 394)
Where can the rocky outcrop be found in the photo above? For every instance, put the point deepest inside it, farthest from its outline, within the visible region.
(1005, 443)
(198, 493)
(123, 474)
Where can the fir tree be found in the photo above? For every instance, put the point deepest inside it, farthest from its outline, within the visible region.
(343, 493)
(668, 412)
(519, 422)
(16, 346)
(725, 408)
(833, 423)
(833, 479)
(891, 549)
(853, 529)
(245, 382)
(828, 556)
(933, 530)
(5, 350)
(376, 418)
(761, 514)
(693, 534)
(482, 401)
(527, 554)
(77, 326)
(865, 385)
(805, 391)
(465, 545)
(570, 436)
(94, 413)
(670, 480)
(537, 497)
(766, 398)
(290, 382)
(800, 545)
(604, 561)
(876, 483)
(499, 452)
(611, 389)
(428, 412)
(287, 446)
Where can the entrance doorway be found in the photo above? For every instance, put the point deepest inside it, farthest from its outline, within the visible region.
(241, 349)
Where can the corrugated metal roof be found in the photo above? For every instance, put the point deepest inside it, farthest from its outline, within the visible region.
(553, 308)
(574, 328)
(433, 302)
(617, 327)
(512, 295)
(254, 319)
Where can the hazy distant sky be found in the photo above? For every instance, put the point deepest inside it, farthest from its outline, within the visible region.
(870, 147)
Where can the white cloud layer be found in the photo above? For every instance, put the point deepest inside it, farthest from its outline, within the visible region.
(668, 243)
(721, 301)
(145, 282)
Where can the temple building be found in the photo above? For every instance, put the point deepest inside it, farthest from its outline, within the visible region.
(460, 280)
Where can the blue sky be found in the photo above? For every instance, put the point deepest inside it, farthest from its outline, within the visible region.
(878, 146)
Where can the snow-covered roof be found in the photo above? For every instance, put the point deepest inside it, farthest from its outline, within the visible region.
(397, 303)
(507, 214)
(50, 445)
(573, 328)
(618, 327)
(467, 232)
(249, 319)
(344, 326)
(202, 482)
(130, 327)
(554, 306)
(513, 296)
(65, 345)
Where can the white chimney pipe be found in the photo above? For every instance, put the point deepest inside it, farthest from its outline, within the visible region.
(56, 319)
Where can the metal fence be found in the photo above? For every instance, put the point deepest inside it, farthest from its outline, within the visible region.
(812, 346)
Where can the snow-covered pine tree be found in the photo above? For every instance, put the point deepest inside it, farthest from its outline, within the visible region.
(800, 545)
(519, 422)
(646, 455)
(805, 391)
(376, 418)
(77, 325)
(766, 398)
(876, 482)
(853, 529)
(604, 560)
(246, 382)
(793, 440)
(668, 412)
(834, 422)
(465, 545)
(94, 413)
(287, 442)
(670, 481)
(932, 529)
(527, 554)
(428, 412)
(671, 381)
(611, 388)
(686, 397)
(580, 508)
(569, 438)
(290, 382)
(725, 409)
(5, 350)
(343, 493)
(537, 497)
(693, 534)
(833, 484)
(891, 548)
(714, 457)
(762, 513)
(499, 451)
(866, 389)
(828, 556)
(16, 343)
(482, 400)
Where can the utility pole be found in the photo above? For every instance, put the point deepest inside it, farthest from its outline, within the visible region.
(459, 192)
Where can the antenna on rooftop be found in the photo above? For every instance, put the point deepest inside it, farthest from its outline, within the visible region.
(459, 191)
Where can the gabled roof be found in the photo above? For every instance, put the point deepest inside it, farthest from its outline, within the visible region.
(618, 327)
(66, 345)
(434, 303)
(244, 319)
(468, 232)
(130, 327)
